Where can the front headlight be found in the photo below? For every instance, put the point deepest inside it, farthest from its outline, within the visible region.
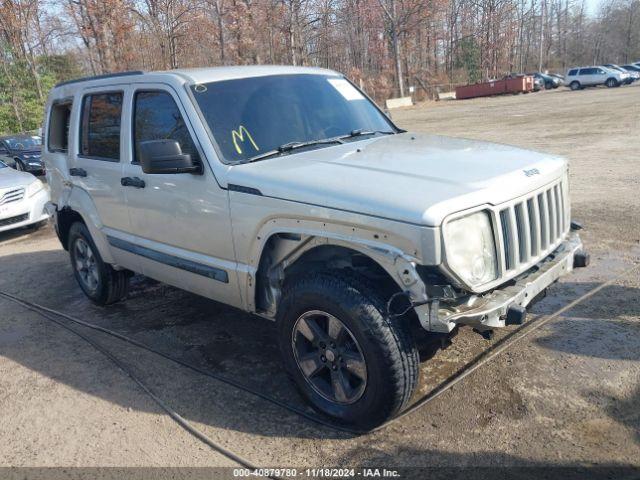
(34, 188)
(471, 250)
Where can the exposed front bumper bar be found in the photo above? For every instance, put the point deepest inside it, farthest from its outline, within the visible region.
(489, 311)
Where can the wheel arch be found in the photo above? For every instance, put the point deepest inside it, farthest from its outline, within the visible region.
(287, 254)
(80, 207)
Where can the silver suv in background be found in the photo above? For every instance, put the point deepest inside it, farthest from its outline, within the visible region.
(286, 192)
(578, 78)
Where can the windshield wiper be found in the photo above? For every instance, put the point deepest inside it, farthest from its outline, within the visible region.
(362, 133)
(287, 147)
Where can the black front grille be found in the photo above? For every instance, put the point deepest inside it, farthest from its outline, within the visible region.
(11, 220)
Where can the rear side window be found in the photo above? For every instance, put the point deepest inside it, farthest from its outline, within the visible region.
(588, 71)
(157, 117)
(58, 134)
(573, 72)
(100, 126)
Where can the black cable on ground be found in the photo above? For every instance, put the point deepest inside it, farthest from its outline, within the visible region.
(493, 351)
(170, 411)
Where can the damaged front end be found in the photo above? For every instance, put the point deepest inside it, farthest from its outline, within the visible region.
(441, 308)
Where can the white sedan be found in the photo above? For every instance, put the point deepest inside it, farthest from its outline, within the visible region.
(22, 199)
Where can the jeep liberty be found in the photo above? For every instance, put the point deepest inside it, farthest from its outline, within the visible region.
(286, 192)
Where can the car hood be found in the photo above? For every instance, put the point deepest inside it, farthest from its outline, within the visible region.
(415, 178)
(12, 178)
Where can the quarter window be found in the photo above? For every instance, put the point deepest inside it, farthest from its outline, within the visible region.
(573, 72)
(100, 126)
(59, 119)
(157, 117)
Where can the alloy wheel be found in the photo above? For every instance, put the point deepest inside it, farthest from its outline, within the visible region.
(85, 264)
(329, 357)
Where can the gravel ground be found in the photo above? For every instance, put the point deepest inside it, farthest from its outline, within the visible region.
(567, 396)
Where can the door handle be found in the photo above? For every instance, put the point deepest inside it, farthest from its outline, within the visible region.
(132, 182)
(77, 172)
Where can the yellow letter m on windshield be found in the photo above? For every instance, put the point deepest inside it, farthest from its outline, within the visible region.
(242, 134)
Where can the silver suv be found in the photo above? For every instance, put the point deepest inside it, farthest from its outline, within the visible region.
(286, 192)
(578, 78)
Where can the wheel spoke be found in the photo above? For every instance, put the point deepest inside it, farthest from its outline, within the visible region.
(355, 364)
(335, 328)
(341, 390)
(311, 365)
(311, 330)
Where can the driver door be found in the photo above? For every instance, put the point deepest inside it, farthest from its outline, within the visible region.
(180, 224)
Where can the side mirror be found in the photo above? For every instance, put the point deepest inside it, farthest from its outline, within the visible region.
(165, 156)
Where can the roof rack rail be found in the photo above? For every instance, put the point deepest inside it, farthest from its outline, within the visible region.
(100, 77)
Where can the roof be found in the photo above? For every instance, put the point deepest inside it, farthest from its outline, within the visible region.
(212, 74)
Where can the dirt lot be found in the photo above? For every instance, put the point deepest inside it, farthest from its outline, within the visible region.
(567, 396)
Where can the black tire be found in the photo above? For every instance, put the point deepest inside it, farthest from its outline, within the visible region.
(387, 347)
(612, 82)
(111, 285)
(18, 165)
(575, 85)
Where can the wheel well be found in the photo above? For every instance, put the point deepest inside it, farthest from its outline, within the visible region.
(274, 271)
(64, 219)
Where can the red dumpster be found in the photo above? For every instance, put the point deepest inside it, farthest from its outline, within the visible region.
(521, 84)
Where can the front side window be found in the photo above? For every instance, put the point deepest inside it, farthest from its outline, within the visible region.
(100, 126)
(252, 116)
(157, 117)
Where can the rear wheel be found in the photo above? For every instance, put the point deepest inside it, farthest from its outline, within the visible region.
(349, 360)
(574, 85)
(612, 82)
(99, 281)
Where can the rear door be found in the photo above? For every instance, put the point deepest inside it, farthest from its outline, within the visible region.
(180, 222)
(587, 76)
(95, 164)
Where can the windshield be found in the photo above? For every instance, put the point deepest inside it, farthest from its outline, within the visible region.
(23, 143)
(251, 116)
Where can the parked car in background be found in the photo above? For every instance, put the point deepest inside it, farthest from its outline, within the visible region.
(632, 69)
(547, 81)
(22, 152)
(22, 199)
(538, 83)
(559, 77)
(633, 76)
(578, 78)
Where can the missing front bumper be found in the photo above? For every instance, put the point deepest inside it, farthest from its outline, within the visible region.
(489, 310)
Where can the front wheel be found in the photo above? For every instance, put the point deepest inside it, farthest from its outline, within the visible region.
(19, 166)
(98, 280)
(348, 359)
(612, 82)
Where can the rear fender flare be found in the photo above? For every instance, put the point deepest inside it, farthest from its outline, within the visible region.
(80, 202)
